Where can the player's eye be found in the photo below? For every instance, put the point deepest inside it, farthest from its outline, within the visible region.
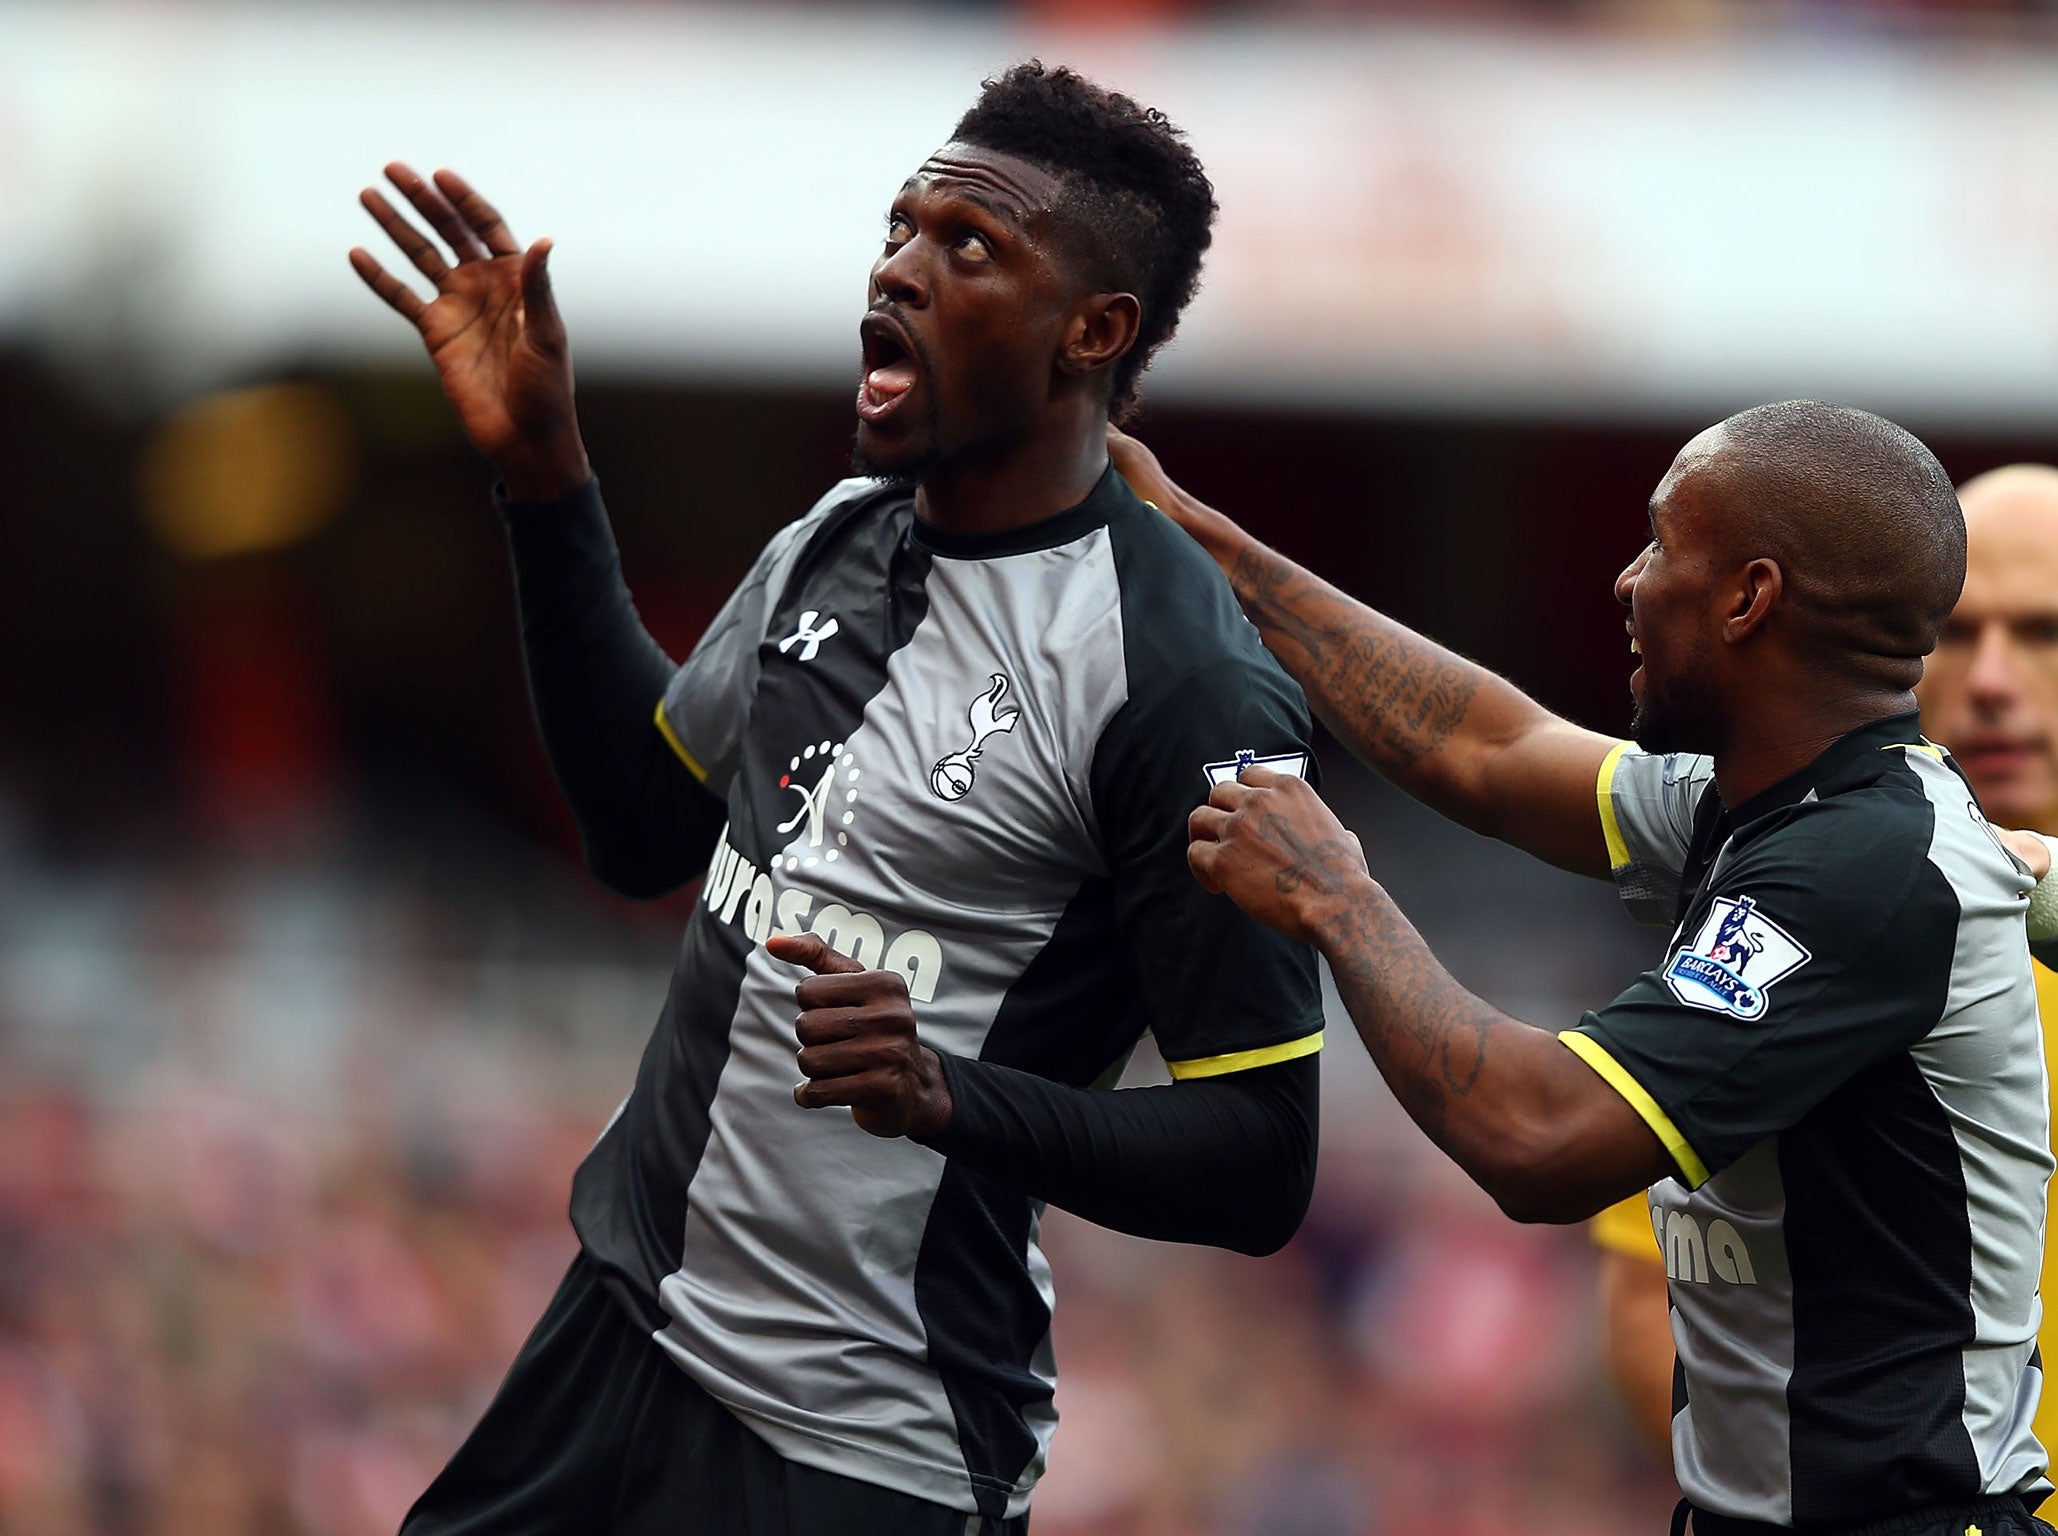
(2040, 631)
(899, 228)
(973, 246)
(1954, 634)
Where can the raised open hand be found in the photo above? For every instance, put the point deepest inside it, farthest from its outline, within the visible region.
(492, 330)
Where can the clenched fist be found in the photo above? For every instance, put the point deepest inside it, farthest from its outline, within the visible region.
(858, 1045)
(1268, 843)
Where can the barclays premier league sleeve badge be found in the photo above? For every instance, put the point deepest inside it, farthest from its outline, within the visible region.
(1292, 764)
(1734, 960)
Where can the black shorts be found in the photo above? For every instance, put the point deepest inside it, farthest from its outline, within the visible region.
(597, 1432)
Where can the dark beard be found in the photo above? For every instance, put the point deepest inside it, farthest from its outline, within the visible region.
(897, 477)
(1652, 729)
(1684, 718)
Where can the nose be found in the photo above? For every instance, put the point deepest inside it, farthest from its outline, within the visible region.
(897, 276)
(1993, 679)
(1625, 584)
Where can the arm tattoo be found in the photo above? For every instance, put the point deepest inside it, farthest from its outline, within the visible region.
(1429, 1037)
(1324, 867)
(1392, 695)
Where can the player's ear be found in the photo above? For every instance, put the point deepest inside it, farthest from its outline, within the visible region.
(1755, 594)
(1100, 330)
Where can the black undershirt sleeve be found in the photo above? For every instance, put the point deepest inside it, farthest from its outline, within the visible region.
(595, 678)
(1227, 1161)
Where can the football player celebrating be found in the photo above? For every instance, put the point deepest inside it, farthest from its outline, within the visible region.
(935, 757)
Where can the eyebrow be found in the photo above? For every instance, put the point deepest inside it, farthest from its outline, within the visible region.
(1006, 213)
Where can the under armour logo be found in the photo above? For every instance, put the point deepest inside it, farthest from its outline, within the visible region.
(807, 637)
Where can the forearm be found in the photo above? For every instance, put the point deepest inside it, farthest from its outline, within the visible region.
(1453, 734)
(595, 679)
(1525, 1119)
(1228, 1162)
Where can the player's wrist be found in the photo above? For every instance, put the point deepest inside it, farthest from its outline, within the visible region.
(931, 1114)
(546, 474)
(1328, 917)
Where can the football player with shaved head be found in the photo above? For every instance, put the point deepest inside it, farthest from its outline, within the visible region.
(1831, 1084)
(1989, 693)
(935, 758)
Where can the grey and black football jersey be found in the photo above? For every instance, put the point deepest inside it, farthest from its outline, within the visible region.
(971, 761)
(1841, 1051)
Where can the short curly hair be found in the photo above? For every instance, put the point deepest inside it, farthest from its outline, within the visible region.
(1137, 207)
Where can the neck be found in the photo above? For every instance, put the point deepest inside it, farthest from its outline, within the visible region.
(1023, 483)
(1776, 748)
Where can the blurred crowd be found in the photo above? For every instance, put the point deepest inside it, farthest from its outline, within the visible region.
(284, 1156)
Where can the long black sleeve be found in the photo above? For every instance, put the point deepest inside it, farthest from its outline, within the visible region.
(595, 678)
(1227, 1161)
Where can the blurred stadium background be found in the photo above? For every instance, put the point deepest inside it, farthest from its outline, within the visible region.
(306, 1009)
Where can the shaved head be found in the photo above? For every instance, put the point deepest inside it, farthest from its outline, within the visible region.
(1990, 693)
(2015, 509)
(1860, 518)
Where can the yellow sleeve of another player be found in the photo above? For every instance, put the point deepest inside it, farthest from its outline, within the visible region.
(2047, 1336)
(1625, 1227)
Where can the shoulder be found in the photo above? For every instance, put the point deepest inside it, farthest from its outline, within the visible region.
(1629, 769)
(801, 545)
(845, 500)
(1184, 636)
(1874, 838)
(855, 491)
(1875, 864)
(1907, 805)
(1165, 574)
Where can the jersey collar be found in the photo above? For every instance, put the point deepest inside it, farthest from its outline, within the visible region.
(1857, 750)
(1109, 496)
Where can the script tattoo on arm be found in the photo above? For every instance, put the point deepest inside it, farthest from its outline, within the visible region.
(1392, 696)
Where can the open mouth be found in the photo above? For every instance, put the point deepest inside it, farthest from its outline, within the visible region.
(890, 367)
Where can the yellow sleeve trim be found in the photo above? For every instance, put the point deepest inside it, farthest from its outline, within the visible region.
(1625, 1227)
(1243, 1061)
(1925, 745)
(664, 729)
(1604, 791)
(1591, 1051)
